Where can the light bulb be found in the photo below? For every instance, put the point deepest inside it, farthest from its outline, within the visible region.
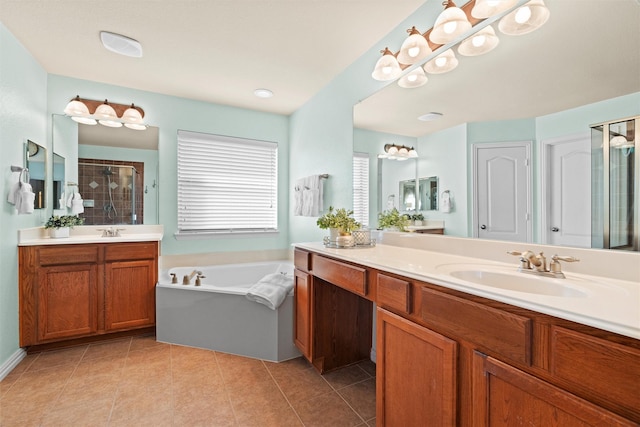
(523, 15)
(386, 70)
(393, 150)
(479, 40)
(412, 77)
(450, 27)
(413, 51)
(441, 62)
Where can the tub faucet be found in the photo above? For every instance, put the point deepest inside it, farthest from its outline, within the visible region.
(198, 277)
(174, 278)
(186, 280)
(537, 264)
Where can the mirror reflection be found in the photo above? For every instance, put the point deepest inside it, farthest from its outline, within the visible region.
(114, 171)
(58, 181)
(37, 164)
(545, 90)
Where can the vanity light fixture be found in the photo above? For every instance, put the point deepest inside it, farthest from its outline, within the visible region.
(106, 113)
(451, 23)
(398, 152)
(415, 78)
(387, 67)
(525, 19)
(442, 63)
(480, 43)
(449, 26)
(415, 48)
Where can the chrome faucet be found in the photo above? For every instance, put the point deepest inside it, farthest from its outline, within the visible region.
(537, 264)
(110, 232)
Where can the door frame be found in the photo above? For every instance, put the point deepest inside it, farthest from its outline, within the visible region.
(474, 170)
(543, 170)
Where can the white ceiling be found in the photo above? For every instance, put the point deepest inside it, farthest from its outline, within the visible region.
(211, 50)
(588, 51)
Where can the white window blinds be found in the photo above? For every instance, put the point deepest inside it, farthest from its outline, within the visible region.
(226, 184)
(361, 188)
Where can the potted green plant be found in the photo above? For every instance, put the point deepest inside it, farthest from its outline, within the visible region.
(392, 220)
(417, 218)
(338, 221)
(59, 225)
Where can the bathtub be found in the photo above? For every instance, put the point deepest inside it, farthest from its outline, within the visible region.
(218, 316)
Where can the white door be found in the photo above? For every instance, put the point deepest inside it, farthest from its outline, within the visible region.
(568, 192)
(502, 197)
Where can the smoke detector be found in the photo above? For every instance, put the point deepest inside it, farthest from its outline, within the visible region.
(121, 44)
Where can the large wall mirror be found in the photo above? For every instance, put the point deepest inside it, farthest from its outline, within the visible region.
(113, 170)
(545, 88)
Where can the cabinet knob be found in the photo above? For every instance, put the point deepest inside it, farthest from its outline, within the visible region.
(483, 227)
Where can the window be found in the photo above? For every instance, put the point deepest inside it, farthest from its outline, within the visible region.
(226, 184)
(361, 188)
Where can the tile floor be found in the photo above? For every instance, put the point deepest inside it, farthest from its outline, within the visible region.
(140, 382)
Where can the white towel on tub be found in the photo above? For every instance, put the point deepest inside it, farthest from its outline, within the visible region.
(271, 290)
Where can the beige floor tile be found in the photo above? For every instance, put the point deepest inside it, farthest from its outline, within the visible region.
(361, 397)
(85, 390)
(108, 349)
(157, 419)
(345, 376)
(263, 405)
(204, 413)
(327, 410)
(26, 407)
(369, 367)
(241, 373)
(54, 358)
(138, 403)
(301, 384)
(88, 413)
(145, 342)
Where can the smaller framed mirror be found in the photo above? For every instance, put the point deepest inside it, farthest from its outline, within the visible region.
(428, 188)
(58, 181)
(36, 161)
(408, 199)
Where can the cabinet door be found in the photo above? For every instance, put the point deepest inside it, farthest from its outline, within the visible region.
(416, 374)
(129, 293)
(506, 396)
(67, 301)
(302, 319)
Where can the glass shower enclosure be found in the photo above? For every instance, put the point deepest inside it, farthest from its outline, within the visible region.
(615, 184)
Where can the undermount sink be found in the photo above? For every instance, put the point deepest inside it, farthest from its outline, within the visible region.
(514, 281)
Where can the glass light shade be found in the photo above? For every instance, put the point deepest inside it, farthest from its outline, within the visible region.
(132, 115)
(387, 67)
(415, 48)
(480, 43)
(413, 153)
(415, 78)
(105, 111)
(392, 150)
(403, 151)
(84, 120)
(135, 126)
(110, 123)
(442, 63)
(525, 19)
(620, 141)
(487, 8)
(450, 24)
(76, 108)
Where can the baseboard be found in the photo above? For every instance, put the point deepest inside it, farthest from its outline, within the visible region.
(12, 362)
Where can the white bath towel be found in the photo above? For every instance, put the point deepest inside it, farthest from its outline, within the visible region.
(445, 202)
(297, 197)
(22, 196)
(271, 290)
(309, 195)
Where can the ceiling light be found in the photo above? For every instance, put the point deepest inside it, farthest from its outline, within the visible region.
(121, 44)
(480, 43)
(451, 23)
(415, 78)
(398, 152)
(442, 63)
(263, 93)
(429, 117)
(387, 67)
(487, 8)
(525, 19)
(415, 48)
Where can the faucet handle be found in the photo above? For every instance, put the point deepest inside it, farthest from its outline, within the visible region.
(515, 253)
(174, 277)
(565, 258)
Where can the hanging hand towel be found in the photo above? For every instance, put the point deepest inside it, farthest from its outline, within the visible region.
(297, 197)
(445, 202)
(312, 196)
(14, 193)
(77, 204)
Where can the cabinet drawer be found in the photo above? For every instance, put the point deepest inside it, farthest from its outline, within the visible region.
(597, 366)
(346, 276)
(67, 254)
(130, 251)
(302, 260)
(507, 334)
(394, 293)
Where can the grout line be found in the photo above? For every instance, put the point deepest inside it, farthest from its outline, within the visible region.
(226, 391)
(282, 392)
(115, 394)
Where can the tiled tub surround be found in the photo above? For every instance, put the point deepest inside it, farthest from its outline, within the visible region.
(612, 278)
(140, 382)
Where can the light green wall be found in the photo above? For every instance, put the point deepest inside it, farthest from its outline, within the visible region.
(23, 94)
(170, 114)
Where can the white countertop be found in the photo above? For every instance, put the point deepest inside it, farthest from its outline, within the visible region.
(609, 304)
(91, 234)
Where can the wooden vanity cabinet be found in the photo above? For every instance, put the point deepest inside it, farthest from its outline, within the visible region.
(73, 291)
